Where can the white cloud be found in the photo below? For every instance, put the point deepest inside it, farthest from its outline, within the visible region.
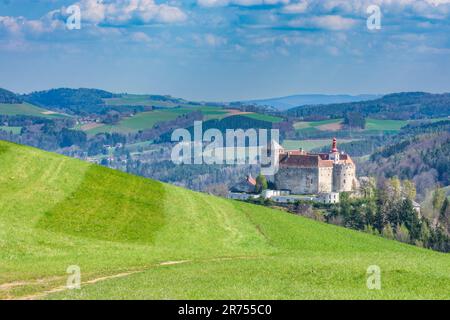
(246, 3)
(122, 12)
(210, 40)
(327, 22)
(298, 7)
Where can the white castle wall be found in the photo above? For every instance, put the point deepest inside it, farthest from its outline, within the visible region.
(344, 177)
(298, 180)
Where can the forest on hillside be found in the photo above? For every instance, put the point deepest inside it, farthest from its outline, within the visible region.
(399, 106)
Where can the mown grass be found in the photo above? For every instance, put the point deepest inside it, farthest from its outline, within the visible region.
(56, 212)
(310, 144)
(26, 109)
(263, 117)
(147, 120)
(385, 125)
(372, 125)
(141, 121)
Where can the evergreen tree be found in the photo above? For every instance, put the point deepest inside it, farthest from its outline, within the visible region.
(388, 232)
(261, 183)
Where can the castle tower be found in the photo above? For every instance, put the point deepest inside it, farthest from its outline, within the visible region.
(334, 153)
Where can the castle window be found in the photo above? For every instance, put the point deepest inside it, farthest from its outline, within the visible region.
(344, 181)
(311, 181)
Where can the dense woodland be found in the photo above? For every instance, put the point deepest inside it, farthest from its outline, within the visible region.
(72, 101)
(9, 97)
(398, 106)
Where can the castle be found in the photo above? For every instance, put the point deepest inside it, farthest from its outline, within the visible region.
(301, 175)
(301, 172)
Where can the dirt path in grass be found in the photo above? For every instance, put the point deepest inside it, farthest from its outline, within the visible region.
(8, 286)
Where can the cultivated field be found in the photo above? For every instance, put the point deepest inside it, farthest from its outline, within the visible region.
(141, 121)
(264, 117)
(310, 144)
(137, 238)
(336, 124)
(26, 109)
(147, 120)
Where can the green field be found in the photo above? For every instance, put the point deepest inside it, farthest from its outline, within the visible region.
(264, 117)
(26, 109)
(147, 120)
(310, 144)
(137, 238)
(141, 121)
(302, 125)
(142, 100)
(385, 125)
(13, 130)
(371, 125)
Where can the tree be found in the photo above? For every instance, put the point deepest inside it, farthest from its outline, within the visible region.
(444, 216)
(388, 232)
(368, 187)
(402, 234)
(261, 183)
(396, 189)
(354, 120)
(438, 199)
(409, 189)
(409, 218)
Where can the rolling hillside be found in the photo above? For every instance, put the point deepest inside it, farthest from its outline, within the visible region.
(27, 109)
(285, 103)
(396, 106)
(137, 238)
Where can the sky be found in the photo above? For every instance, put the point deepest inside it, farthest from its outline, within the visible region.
(226, 50)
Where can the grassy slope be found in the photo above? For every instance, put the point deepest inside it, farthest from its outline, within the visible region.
(147, 120)
(264, 117)
(310, 144)
(141, 121)
(371, 124)
(26, 109)
(56, 211)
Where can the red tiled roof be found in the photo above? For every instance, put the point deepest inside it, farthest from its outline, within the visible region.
(297, 159)
(251, 180)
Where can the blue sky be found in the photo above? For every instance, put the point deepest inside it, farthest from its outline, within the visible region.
(226, 49)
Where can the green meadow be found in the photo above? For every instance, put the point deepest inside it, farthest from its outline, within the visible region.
(142, 100)
(385, 125)
(334, 125)
(135, 238)
(26, 109)
(310, 144)
(147, 120)
(264, 117)
(141, 121)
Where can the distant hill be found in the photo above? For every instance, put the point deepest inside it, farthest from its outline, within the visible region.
(419, 153)
(9, 97)
(285, 103)
(136, 238)
(72, 101)
(401, 106)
